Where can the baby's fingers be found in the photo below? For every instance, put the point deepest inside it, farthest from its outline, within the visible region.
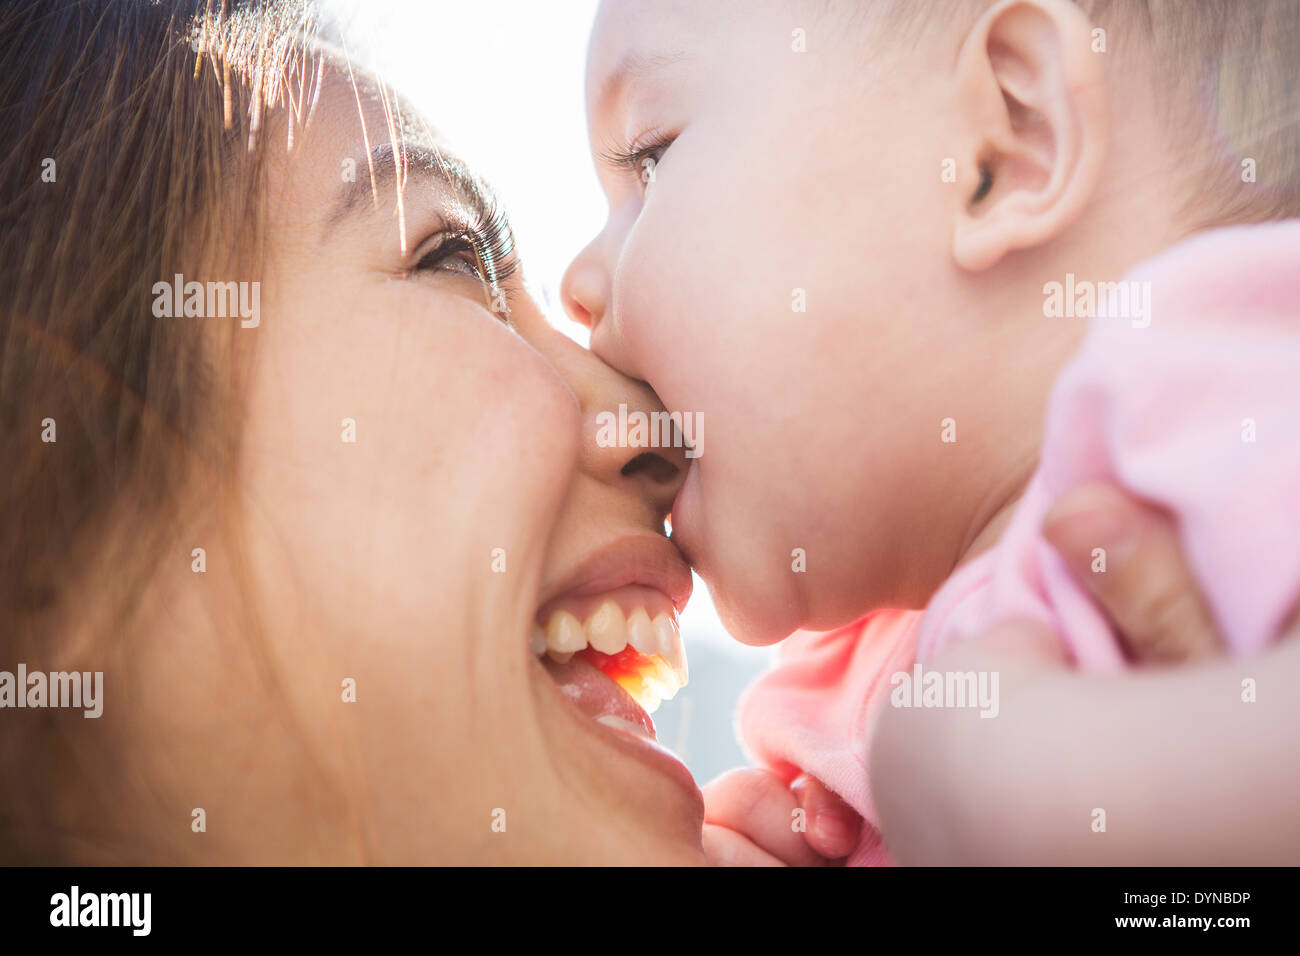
(757, 805)
(725, 847)
(833, 826)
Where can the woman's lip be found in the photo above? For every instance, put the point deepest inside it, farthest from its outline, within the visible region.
(596, 694)
(645, 749)
(656, 756)
(644, 559)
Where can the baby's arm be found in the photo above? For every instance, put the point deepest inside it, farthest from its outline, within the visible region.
(1184, 769)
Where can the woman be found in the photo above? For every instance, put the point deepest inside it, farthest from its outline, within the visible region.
(308, 540)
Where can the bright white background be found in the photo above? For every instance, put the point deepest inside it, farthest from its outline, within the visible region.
(503, 80)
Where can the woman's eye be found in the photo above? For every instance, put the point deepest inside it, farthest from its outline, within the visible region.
(486, 256)
(456, 255)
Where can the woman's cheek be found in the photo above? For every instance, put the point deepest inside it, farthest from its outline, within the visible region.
(549, 420)
(498, 393)
(531, 441)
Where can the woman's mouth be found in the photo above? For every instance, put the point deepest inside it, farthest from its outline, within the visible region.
(610, 638)
(629, 634)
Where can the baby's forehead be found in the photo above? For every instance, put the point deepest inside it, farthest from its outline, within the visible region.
(622, 24)
(631, 40)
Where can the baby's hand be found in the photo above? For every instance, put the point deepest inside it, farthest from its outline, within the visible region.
(752, 818)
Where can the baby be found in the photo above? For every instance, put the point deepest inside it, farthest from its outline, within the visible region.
(866, 240)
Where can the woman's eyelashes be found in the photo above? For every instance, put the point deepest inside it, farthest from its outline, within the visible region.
(483, 250)
(452, 253)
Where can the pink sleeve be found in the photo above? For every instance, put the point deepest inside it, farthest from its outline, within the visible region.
(1198, 411)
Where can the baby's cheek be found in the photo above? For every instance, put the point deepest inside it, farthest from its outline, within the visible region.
(668, 294)
(650, 327)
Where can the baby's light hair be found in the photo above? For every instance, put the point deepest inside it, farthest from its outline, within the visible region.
(1228, 70)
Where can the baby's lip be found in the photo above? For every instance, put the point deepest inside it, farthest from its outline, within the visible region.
(690, 465)
(678, 538)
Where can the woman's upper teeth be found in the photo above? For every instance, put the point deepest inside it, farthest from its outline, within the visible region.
(609, 630)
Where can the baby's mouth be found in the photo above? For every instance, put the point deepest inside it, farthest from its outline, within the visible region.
(617, 655)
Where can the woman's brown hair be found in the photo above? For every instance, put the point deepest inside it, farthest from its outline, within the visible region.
(132, 144)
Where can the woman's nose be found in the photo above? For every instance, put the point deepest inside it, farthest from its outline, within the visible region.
(629, 442)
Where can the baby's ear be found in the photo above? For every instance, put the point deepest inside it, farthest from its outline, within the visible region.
(1032, 93)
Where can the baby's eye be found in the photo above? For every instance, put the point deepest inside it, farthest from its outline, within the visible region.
(643, 160)
(648, 158)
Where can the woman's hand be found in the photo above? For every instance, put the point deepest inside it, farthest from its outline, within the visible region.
(1160, 765)
(1147, 588)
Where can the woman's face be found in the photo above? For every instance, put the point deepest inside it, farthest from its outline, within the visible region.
(412, 562)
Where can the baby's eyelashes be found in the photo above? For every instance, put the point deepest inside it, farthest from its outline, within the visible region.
(640, 158)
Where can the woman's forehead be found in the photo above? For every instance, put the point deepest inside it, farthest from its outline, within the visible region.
(364, 152)
(340, 136)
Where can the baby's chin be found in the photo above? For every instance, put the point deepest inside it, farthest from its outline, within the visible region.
(754, 614)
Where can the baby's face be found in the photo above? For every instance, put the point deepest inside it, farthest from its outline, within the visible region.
(776, 261)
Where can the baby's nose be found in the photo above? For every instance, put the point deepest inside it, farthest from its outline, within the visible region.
(584, 290)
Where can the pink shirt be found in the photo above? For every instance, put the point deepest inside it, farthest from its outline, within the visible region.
(1194, 406)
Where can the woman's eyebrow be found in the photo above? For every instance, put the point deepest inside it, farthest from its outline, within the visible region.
(432, 167)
